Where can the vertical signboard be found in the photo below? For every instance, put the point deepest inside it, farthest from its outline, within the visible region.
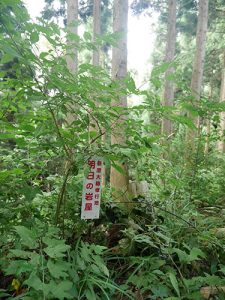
(92, 189)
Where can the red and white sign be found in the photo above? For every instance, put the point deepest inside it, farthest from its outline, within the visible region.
(92, 189)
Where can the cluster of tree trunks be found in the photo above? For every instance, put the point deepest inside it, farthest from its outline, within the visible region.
(120, 181)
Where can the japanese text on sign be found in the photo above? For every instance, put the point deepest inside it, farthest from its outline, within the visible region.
(92, 189)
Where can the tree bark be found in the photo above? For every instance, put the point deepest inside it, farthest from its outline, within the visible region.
(95, 56)
(119, 181)
(168, 93)
(72, 19)
(96, 30)
(96, 62)
(72, 53)
(221, 144)
(198, 65)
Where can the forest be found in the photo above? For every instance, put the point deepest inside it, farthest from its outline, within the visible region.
(111, 190)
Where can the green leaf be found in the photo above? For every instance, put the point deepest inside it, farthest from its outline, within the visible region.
(190, 108)
(130, 83)
(58, 269)
(10, 50)
(95, 269)
(4, 136)
(28, 237)
(118, 168)
(6, 58)
(196, 253)
(18, 267)
(3, 293)
(61, 290)
(161, 291)
(174, 283)
(90, 294)
(20, 253)
(183, 120)
(183, 256)
(104, 269)
(87, 36)
(222, 269)
(99, 249)
(34, 37)
(56, 251)
(160, 69)
(34, 281)
(156, 82)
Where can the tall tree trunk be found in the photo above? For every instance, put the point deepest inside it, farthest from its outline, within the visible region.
(119, 181)
(199, 59)
(96, 29)
(96, 55)
(168, 93)
(72, 19)
(96, 61)
(221, 144)
(96, 52)
(198, 66)
(72, 53)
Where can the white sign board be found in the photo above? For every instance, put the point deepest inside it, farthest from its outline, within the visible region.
(92, 189)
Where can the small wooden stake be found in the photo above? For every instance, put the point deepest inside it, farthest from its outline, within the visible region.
(208, 291)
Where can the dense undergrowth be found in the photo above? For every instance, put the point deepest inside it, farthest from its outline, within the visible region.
(166, 245)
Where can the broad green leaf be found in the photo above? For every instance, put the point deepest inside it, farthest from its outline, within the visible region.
(99, 249)
(34, 281)
(90, 294)
(196, 253)
(57, 251)
(10, 50)
(62, 290)
(18, 267)
(222, 269)
(130, 83)
(21, 253)
(183, 256)
(160, 69)
(174, 283)
(34, 37)
(87, 36)
(7, 136)
(161, 291)
(190, 108)
(6, 58)
(95, 269)
(118, 168)
(28, 237)
(183, 120)
(104, 269)
(58, 269)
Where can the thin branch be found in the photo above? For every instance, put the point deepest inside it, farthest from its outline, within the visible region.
(67, 150)
(61, 194)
